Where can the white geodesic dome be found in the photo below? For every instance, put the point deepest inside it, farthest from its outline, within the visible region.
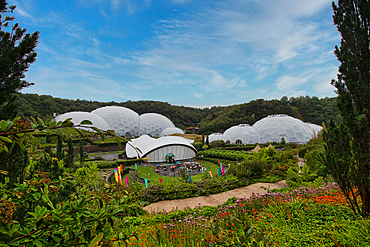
(124, 122)
(214, 137)
(170, 131)
(78, 116)
(273, 128)
(315, 129)
(241, 134)
(153, 124)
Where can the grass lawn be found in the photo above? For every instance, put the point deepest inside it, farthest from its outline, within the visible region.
(143, 172)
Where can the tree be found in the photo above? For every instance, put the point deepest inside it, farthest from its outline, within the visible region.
(70, 157)
(17, 52)
(352, 19)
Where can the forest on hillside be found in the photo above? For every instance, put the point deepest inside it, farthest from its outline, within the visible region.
(209, 120)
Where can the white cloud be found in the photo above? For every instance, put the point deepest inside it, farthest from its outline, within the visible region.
(288, 82)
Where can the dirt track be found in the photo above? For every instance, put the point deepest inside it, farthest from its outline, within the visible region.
(216, 199)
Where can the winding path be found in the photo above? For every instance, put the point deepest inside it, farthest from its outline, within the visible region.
(216, 199)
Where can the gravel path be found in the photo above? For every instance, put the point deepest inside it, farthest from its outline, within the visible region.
(216, 199)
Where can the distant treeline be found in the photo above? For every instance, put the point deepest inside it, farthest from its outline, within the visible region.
(209, 120)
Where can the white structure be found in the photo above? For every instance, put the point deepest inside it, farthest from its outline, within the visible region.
(122, 120)
(157, 149)
(274, 128)
(314, 128)
(153, 124)
(269, 129)
(78, 116)
(241, 134)
(171, 131)
(214, 137)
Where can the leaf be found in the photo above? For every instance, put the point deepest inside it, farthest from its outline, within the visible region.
(21, 145)
(48, 121)
(52, 124)
(96, 240)
(3, 125)
(5, 139)
(111, 132)
(47, 145)
(4, 229)
(119, 143)
(67, 123)
(40, 120)
(37, 195)
(10, 124)
(37, 243)
(266, 239)
(86, 122)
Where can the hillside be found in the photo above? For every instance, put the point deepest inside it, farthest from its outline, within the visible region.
(215, 119)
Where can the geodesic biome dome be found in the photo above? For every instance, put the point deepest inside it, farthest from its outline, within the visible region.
(171, 131)
(78, 116)
(241, 134)
(123, 121)
(157, 149)
(214, 137)
(315, 129)
(274, 128)
(153, 124)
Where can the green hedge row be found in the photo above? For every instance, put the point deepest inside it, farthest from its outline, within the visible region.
(112, 164)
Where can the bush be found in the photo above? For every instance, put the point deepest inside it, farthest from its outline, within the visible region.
(248, 169)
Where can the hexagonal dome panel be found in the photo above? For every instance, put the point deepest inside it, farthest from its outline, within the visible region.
(242, 134)
(124, 122)
(273, 128)
(214, 137)
(153, 124)
(171, 130)
(315, 129)
(78, 116)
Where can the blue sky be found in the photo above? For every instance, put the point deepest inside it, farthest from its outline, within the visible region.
(192, 53)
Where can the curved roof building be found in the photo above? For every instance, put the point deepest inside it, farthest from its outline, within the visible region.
(78, 116)
(241, 134)
(123, 121)
(157, 149)
(153, 124)
(274, 128)
(170, 131)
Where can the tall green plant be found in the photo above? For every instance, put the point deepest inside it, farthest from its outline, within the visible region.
(352, 18)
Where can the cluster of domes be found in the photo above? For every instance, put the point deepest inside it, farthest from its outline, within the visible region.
(270, 129)
(123, 121)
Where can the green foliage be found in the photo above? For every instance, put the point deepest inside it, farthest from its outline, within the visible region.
(225, 154)
(75, 222)
(70, 156)
(17, 53)
(247, 169)
(351, 19)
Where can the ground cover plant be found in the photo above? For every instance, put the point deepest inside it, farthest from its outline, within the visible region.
(307, 216)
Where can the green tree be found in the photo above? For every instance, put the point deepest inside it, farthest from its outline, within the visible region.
(70, 162)
(60, 152)
(352, 19)
(17, 52)
(82, 157)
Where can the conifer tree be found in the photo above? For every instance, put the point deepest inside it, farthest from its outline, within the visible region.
(17, 52)
(352, 18)
(60, 152)
(70, 162)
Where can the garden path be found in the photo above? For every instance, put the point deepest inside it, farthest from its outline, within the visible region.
(216, 199)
